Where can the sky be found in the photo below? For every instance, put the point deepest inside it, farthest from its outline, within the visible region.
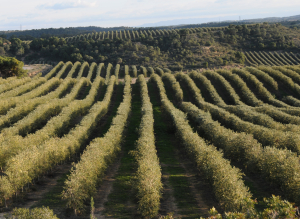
(37, 14)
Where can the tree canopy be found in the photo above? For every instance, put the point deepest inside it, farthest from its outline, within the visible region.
(10, 66)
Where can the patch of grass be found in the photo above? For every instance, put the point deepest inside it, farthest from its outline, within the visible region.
(166, 144)
(53, 197)
(121, 200)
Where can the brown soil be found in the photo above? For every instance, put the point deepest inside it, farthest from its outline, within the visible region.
(168, 203)
(37, 68)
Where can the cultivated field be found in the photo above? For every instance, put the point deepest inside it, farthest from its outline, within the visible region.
(137, 142)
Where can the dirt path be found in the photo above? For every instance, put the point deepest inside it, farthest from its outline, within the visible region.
(105, 189)
(168, 202)
(120, 200)
(37, 68)
(106, 186)
(45, 185)
(198, 186)
(100, 130)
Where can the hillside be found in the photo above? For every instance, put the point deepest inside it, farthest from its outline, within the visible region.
(176, 49)
(60, 32)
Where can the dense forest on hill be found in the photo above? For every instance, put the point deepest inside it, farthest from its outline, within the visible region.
(179, 49)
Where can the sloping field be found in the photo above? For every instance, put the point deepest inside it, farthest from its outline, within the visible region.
(137, 142)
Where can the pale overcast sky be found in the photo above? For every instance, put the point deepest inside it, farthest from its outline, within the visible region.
(36, 14)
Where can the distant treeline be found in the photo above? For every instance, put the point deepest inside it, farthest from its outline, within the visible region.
(73, 31)
(60, 32)
(227, 23)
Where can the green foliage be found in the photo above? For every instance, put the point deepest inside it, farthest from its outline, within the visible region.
(190, 85)
(92, 69)
(167, 47)
(98, 154)
(99, 69)
(289, 73)
(276, 165)
(148, 175)
(68, 144)
(207, 88)
(143, 71)
(14, 144)
(234, 98)
(23, 91)
(263, 138)
(159, 71)
(84, 68)
(92, 208)
(108, 73)
(244, 148)
(170, 80)
(240, 56)
(262, 76)
(283, 78)
(117, 69)
(291, 100)
(241, 88)
(74, 69)
(209, 160)
(67, 67)
(35, 213)
(55, 70)
(205, 64)
(277, 209)
(10, 67)
(134, 71)
(26, 106)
